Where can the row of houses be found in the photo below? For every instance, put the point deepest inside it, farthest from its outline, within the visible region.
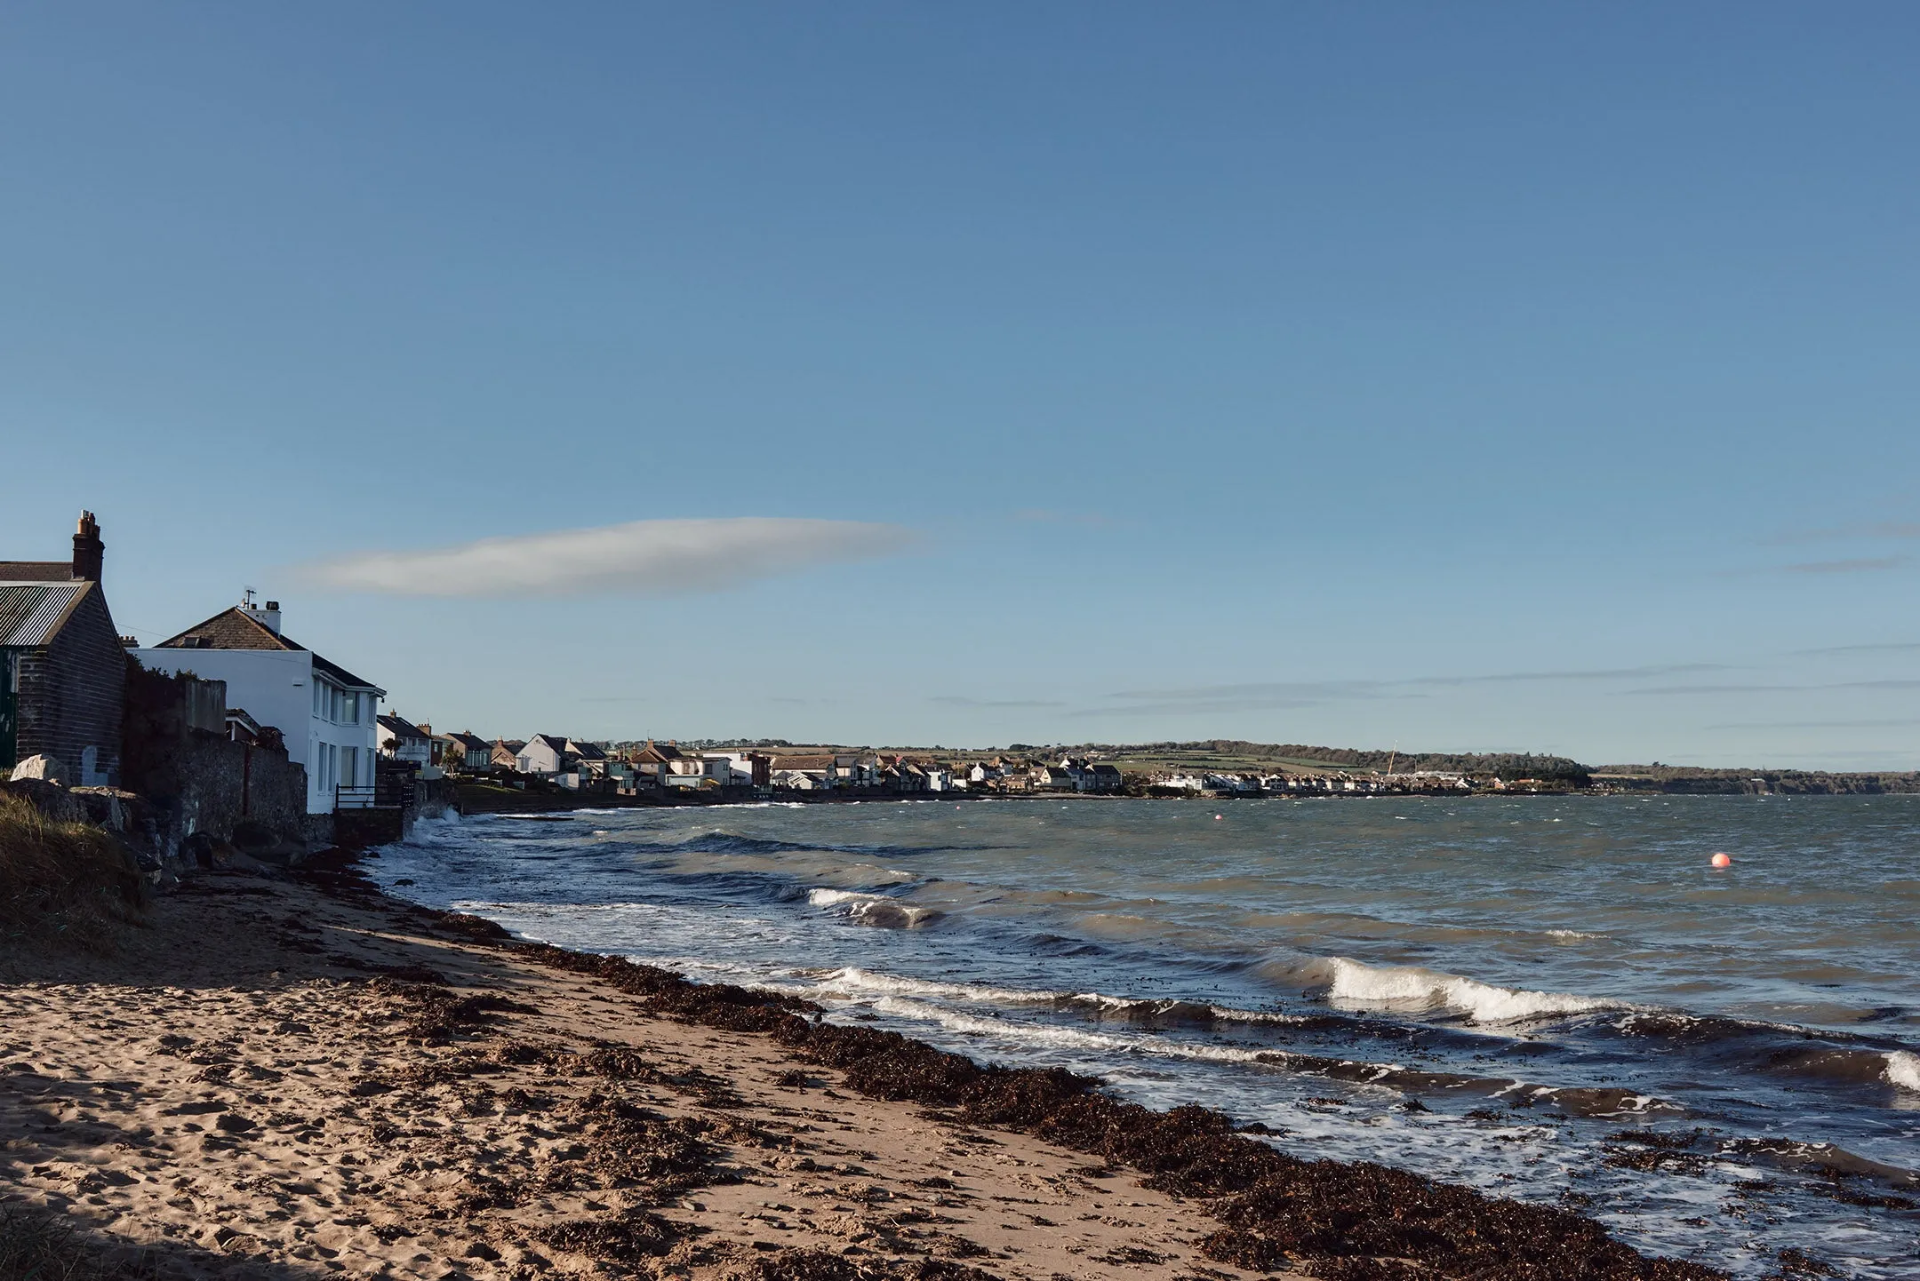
(657, 767)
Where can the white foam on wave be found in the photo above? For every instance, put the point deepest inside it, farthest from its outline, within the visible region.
(1903, 1070)
(854, 981)
(874, 909)
(1065, 1038)
(1414, 989)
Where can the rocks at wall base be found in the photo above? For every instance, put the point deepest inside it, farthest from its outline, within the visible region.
(43, 767)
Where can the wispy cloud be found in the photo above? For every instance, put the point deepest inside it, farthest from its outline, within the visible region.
(1889, 683)
(961, 700)
(642, 557)
(1889, 647)
(1857, 565)
(1593, 674)
(1900, 723)
(1663, 691)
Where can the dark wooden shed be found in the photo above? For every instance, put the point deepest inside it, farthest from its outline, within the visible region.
(63, 669)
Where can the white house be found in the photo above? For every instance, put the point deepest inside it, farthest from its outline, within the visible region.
(403, 740)
(324, 712)
(1057, 778)
(543, 754)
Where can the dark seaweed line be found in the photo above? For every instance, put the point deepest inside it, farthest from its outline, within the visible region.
(1349, 1221)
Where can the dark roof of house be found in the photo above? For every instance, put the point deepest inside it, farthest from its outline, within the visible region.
(512, 744)
(36, 571)
(31, 614)
(401, 727)
(472, 742)
(235, 629)
(558, 742)
(585, 751)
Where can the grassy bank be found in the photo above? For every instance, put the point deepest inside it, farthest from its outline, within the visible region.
(63, 882)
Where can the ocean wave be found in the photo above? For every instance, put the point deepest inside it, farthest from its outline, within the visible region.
(875, 909)
(1413, 989)
(1903, 1070)
(902, 999)
(857, 982)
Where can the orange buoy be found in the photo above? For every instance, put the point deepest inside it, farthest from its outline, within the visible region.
(1723, 860)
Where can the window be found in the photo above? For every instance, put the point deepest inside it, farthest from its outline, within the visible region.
(349, 766)
(350, 709)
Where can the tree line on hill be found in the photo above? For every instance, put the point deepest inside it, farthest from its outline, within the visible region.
(1510, 765)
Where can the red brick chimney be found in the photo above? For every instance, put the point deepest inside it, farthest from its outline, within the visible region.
(88, 550)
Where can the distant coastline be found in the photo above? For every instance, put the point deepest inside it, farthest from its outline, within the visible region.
(706, 772)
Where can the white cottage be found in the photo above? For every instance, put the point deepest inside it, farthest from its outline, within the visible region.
(324, 712)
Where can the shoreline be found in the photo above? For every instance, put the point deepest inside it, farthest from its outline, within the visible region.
(292, 1091)
(685, 1101)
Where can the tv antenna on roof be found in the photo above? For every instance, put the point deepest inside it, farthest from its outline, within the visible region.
(246, 598)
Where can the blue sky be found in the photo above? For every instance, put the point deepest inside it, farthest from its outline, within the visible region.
(1508, 378)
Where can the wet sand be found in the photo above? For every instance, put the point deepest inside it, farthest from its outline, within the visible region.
(285, 1080)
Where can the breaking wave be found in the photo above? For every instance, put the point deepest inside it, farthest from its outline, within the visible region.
(1903, 1070)
(1413, 989)
(875, 909)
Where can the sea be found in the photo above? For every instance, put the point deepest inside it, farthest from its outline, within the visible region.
(1556, 999)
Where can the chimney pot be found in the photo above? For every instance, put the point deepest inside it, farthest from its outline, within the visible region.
(88, 550)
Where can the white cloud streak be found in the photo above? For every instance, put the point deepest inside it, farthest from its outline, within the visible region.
(640, 558)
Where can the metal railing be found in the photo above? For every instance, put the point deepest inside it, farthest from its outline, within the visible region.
(387, 794)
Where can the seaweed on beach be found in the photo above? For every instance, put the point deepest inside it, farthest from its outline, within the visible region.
(435, 1015)
(1277, 1210)
(626, 1238)
(818, 1265)
(633, 1146)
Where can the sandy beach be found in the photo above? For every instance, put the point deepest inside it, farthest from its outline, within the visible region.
(279, 1079)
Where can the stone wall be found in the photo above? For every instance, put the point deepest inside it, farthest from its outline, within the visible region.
(222, 782)
(196, 781)
(72, 692)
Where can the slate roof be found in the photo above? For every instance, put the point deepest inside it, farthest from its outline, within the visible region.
(472, 742)
(235, 629)
(585, 751)
(32, 613)
(36, 571)
(401, 727)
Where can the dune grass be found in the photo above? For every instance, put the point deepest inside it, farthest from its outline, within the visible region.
(38, 1245)
(65, 883)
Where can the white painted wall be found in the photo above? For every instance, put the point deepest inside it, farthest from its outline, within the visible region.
(276, 688)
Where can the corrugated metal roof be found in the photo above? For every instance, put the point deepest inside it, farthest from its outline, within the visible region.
(30, 613)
